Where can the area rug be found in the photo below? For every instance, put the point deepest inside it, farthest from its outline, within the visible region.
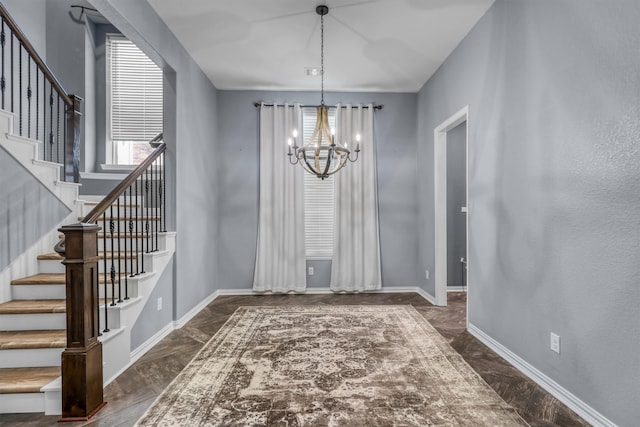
(328, 366)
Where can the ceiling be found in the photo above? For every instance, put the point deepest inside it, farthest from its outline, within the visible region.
(370, 45)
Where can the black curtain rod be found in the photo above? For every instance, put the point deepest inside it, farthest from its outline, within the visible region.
(258, 104)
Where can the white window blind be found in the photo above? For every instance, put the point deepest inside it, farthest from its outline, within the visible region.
(136, 93)
(318, 199)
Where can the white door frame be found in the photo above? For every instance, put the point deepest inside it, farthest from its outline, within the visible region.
(440, 200)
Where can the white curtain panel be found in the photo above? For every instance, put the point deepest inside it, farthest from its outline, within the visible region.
(280, 258)
(355, 264)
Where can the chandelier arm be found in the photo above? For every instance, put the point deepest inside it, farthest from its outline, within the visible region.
(293, 163)
(356, 158)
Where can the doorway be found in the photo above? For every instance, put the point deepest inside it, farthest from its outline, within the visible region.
(442, 212)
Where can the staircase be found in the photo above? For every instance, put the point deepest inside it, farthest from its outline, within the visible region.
(33, 321)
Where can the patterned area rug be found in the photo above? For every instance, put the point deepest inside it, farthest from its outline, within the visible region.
(328, 366)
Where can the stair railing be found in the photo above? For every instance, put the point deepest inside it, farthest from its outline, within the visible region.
(131, 218)
(43, 109)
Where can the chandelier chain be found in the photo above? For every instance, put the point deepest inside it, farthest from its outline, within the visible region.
(322, 59)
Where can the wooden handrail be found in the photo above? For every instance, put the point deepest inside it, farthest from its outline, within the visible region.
(95, 213)
(34, 55)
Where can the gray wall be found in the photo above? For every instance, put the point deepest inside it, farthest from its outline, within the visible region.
(31, 18)
(27, 209)
(237, 164)
(456, 198)
(190, 125)
(554, 95)
(154, 319)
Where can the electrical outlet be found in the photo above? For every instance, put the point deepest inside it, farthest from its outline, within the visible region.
(426, 274)
(310, 271)
(555, 342)
(159, 303)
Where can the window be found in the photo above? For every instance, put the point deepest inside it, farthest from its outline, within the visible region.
(318, 199)
(134, 102)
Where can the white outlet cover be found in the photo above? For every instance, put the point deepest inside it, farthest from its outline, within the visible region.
(310, 271)
(159, 303)
(555, 342)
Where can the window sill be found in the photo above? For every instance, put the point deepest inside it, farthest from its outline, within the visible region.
(111, 167)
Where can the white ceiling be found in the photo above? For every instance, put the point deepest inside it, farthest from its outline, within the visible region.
(370, 45)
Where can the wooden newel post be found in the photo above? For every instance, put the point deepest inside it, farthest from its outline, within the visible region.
(82, 382)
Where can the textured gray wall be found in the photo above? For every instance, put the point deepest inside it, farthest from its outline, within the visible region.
(237, 165)
(554, 95)
(153, 319)
(190, 133)
(27, 209)
(456, 198)
(31, 18)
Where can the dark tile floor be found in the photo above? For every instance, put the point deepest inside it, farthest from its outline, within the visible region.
(136, 389)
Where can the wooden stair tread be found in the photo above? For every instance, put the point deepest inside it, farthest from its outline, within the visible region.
(10, 340)
(26, 380)
(33, 306)
(54, 256)
(57, 279)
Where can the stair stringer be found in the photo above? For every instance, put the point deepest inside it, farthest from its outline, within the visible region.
(25, 151)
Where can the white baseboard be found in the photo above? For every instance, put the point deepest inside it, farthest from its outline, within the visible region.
(150, 343)
(562, 394)
(177, 324)
(456, 289)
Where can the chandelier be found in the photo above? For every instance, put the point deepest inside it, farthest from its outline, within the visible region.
(321, 155)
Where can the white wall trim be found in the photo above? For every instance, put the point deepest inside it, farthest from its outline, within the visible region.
(440, 199)
(562, 394)
(177, 324)
(456, 289)
(150, 343)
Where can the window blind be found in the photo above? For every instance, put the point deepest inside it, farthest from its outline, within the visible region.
(136, 92)
(318, 199)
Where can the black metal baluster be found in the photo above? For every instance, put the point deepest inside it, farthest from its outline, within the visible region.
(3, 82)
(29, 97)
(146, 205)
(112, 228)
(97, 288)
(58, 131)
(132, 238)
(38, 109)
(20, 88)
(164, 194)
(119, 220)
(44, 112)
(156, 225)
(140, 232)
(104, 258)
(64, 134)
(12, 74)
(126, 219)
(51, 122)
